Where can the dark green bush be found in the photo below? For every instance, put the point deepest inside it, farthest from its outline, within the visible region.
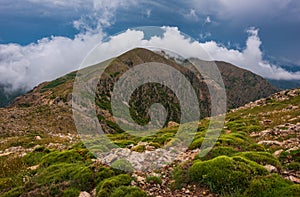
(291, 191)
(196, 143)
(107, 186)
(293, 166)
(262, 158)
(104, 173)
(225, 174)
(68, 156)
(267, 186)
(219, 151)
(77, 175)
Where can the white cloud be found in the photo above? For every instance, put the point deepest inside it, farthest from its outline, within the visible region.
(148, 13)
(240, 10)
(191, 15)
(207, 20)
(27, 66)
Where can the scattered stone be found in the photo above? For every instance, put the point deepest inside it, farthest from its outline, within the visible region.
(277, 153)
(270, 143)
(84, 194)
(38, 137)
(172, 124)
(294, 179)
(33, 167)
(271, 168)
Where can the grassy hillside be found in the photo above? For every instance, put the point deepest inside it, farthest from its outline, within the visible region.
(257, 154)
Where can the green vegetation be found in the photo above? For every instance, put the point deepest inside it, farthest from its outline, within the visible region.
(106, 187)
(262, 158)
(63, 173)
(225, 174)
(154, 179)
(269, 186)
(59, 81)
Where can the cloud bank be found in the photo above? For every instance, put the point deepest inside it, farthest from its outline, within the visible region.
(49, 58)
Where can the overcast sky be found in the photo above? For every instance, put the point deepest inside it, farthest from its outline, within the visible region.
(44, 39)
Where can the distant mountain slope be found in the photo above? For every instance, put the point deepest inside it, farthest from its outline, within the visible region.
(7, 97)
(242, 86)
(285, 84)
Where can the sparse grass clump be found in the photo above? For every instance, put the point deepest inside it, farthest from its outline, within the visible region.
(106, 187)
(267, 186)
(139, 148)
(154, 179)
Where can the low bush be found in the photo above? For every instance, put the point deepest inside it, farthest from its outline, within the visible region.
(154, 179)
(68, 156)
(106, 187)
(262, 158)
(293, 166)
(76, 175)
(219, 151)
(225, 174)
(267, 186)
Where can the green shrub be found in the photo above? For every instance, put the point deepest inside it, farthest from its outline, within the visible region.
(219, 151)
(267, 186)
(293, 155)
(154, 179)
(196, 143)
(34, 158)
(262, 158)
(239, 139)
(123, 143)
(156, 145)
(68, 156)
(104, 173)
(179, 174)
(225, 174)
(256, 147)
(106, 187)
(16, 192)
(71, 192)
(291, 191)
(139, 148)
(127, 191)
(77, 175)
(293, 166)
